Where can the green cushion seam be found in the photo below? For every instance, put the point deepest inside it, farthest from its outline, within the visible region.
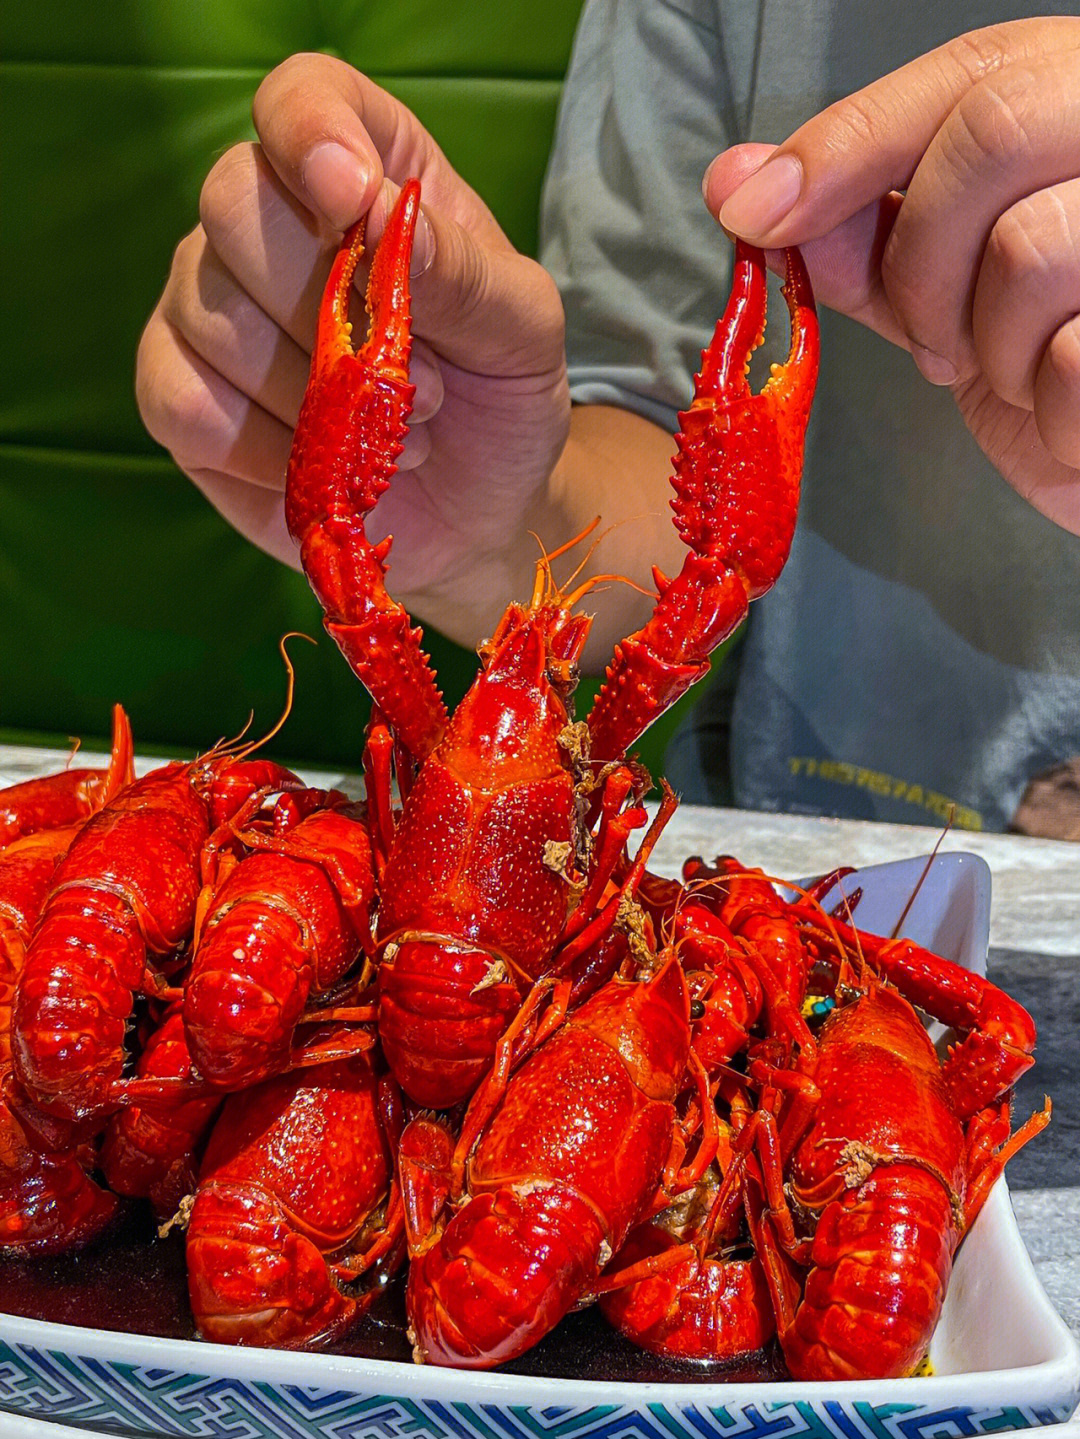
(130, 459)
(256, 72)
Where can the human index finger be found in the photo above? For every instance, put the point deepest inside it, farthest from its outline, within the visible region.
(871, 142)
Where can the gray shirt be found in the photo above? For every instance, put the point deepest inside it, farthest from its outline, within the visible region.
(922, 647)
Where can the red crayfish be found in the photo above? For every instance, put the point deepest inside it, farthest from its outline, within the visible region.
(275, 1254)
(687, 1284)
(482, 907)
(120, 906)
(286, 912)
(289, 893)
(510, 1228)
(882, 1154)
(47, 1198)
(488, 884)
(57, 801)
(867, 1159)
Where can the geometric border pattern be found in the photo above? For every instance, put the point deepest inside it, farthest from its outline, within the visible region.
(134, 1400)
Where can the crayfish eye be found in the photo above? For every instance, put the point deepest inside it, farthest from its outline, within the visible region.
(697, 1009)
(563, 674)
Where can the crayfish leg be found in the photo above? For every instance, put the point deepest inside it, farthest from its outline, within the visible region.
(996, 1043)
(424, 1159)
(991, 1145)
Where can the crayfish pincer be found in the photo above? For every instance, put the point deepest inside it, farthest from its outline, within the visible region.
(472, 912)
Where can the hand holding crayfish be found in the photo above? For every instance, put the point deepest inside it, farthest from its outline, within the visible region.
(494, 453)
(970, 141)
(224, 360)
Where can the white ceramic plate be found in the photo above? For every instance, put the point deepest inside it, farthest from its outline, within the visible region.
(1003, 1358)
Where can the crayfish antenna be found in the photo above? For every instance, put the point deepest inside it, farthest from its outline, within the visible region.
(898, 926)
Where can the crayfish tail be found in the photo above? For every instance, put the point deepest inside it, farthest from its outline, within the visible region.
(149, 1149)
(253, 1277)
(269, 1242)
(506, 1269)
(685, 1306)
(48, 1202)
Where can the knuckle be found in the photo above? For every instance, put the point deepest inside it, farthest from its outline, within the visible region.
(979, 52)
(1063, 358)
(301, 62)
(861, 119)
(297, 82)
(473, 282)
(296, 69)
(548, 309)
(146, 394)
(176, 406)
(224, 191)
(1028, 239)
(193, 422)
(179, 290)
(992, 123)
(904, 288)
(206, 305)
(930, 316)
(546, 290)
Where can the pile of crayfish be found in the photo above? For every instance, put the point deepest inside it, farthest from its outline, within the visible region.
(460, 1025)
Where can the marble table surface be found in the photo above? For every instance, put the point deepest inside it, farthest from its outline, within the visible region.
(1034, 954)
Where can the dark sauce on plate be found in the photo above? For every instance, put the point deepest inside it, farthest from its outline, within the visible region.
(134, 1282)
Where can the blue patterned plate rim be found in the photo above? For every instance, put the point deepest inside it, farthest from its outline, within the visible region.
(1037, 1360)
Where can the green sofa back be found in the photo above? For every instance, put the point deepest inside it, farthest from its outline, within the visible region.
(117, 581)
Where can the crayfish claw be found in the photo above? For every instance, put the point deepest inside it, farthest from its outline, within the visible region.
(351, 429)
(737, 471)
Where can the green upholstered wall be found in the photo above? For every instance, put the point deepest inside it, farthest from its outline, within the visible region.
(117, 581)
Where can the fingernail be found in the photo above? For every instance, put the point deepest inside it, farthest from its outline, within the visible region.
(705, 181)
(935, 368)
(423, 255)
(763, 200)
(335, 179)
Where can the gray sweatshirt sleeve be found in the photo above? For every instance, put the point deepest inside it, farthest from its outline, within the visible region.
(642, 267)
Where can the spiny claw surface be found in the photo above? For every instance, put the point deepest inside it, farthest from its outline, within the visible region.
(740, 455)
(737, 471)
(351, 430)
